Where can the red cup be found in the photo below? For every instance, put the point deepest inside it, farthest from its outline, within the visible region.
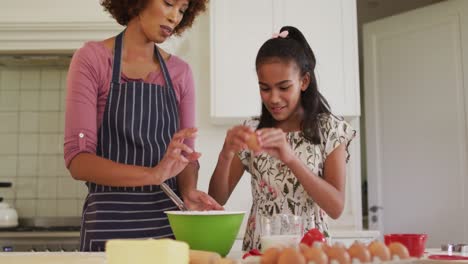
(415, 243)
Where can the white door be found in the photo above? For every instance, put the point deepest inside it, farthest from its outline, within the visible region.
(415, 87)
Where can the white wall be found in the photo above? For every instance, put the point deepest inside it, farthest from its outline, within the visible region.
(194, 47)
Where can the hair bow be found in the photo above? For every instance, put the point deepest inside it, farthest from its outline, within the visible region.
(283, 34)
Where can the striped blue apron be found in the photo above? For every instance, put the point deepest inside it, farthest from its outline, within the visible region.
(138, 123)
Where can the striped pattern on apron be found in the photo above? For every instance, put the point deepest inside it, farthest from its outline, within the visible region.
(138, 124)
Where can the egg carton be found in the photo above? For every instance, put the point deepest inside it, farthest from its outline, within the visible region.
(256, 260)
(337, 252)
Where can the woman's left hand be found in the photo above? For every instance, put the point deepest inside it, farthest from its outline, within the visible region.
(273, 141)
(199, 201)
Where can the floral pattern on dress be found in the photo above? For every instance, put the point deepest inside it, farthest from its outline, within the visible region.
(275, 190)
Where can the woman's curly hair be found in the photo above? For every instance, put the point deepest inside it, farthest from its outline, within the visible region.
(124, 10)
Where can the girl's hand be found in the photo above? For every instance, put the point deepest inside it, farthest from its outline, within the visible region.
(177, 156)
(199, 201)
(235, 141)
(273, 141)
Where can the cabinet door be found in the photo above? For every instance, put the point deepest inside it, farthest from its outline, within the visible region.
(238, 29)
(330, 27)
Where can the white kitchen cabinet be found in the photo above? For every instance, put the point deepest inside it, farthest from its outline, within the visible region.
(241, 27)
(238, 29)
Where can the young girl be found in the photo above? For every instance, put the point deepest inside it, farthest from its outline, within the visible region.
(300, 167)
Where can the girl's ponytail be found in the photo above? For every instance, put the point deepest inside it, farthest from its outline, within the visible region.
(297, 35)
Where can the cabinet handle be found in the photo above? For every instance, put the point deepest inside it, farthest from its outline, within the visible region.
(375, 208)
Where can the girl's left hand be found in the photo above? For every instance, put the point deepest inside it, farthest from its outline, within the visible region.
(273, 141)
(199, 201)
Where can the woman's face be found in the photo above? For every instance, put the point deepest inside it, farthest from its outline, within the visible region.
(160, 17)
(281, 85)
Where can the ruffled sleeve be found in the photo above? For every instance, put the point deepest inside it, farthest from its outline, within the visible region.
(336, 131)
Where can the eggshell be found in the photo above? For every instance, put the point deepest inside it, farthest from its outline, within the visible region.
(252, 142)
(290, 255)
(398, 249)
(379, 250)
(359, 251)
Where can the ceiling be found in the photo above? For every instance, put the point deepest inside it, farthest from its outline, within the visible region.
(370, 10)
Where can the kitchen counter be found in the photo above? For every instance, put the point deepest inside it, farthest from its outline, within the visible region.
(78, 257)
(347, 237)
(353, 233)
(55, 258)
(99, 258)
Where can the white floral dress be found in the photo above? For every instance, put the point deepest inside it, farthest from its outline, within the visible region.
(275, 190)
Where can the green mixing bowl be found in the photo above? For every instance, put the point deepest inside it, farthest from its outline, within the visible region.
(206, 230)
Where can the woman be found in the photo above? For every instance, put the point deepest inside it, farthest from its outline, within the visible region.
(129, 124)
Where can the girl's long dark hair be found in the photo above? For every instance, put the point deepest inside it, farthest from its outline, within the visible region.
(295, 48)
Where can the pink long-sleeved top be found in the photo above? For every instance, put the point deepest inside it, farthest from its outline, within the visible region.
(88, 84)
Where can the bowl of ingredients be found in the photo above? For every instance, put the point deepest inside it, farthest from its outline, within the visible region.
(206, 230)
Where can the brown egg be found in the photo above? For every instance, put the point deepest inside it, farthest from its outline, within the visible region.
(398, 249)
(378, 249)
(252, 142)
(303, 248)
(290, 255)
(325, 247)
(338, 252)
(359, 251)
(315, 254)
(270, 256)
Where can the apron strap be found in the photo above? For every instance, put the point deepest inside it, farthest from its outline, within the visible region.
(167, 77)
(117, 58)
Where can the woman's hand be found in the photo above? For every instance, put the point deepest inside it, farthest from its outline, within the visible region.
(235, 141)
(273, 141)
(199, 201)
(177, 156)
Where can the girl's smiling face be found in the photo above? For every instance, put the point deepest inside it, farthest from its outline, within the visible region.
(281, 84)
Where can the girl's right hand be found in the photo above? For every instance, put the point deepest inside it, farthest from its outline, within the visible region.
(236, 139)
(177, 156)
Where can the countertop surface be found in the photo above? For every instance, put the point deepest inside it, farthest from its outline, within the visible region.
(99, 258)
